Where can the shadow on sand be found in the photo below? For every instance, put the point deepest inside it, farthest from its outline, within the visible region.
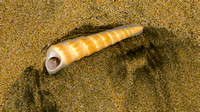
(149, 70)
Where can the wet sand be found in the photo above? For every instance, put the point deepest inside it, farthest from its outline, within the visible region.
(156, 70)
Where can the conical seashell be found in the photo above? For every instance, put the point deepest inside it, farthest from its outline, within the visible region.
(64, 53)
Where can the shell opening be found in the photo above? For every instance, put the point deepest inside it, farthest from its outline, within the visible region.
(53, 63)
(54, 60)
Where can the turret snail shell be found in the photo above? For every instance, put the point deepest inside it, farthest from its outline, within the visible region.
(64, 53)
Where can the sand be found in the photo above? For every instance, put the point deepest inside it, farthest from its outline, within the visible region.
(157, 70)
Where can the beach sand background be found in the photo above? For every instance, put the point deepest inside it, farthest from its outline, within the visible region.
(110, 79)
